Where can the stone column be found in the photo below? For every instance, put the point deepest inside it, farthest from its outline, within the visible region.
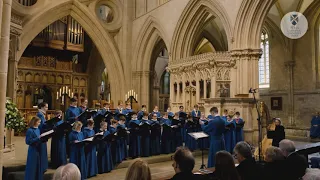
(290, 65)
(204, 88)
(233, 83)
(183, 92)
(197, 91)
(172, 95)
(156, 96)
(4, 53)
(247, 74)
(145, 95)
(213, 87)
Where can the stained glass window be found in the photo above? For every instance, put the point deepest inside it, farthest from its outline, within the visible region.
(264, 63)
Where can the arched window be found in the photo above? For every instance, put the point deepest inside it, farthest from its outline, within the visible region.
(264, 63)
(165, 83)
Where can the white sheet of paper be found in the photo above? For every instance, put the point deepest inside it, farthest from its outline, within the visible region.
(199, 135)
(46, 133)
(100, 133)
(88, 139)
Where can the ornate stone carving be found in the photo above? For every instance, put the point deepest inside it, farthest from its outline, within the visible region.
(16, 19)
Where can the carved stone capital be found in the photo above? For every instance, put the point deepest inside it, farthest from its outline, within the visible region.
(16, 19)
(246, 53)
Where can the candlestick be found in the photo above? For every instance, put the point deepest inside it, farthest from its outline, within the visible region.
(109, 98)
(137, 97)
(72, 95)
(69, 92)
(63, 90)
(57, 95)
(126, 97)
(60, 92)
(66, 89)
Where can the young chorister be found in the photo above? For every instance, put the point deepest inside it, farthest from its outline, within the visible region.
(170, 113)
(114, 144)
(229, 134)
(140, 113)
(177, 139)
(58, 143)
(122, 141)
(90, 150)
(182, 118)
(33, 167)
(77, 155)
(105, 163)
(43, 107)
(167, 136)
(155, 135)
(239, 129)
(195, 112)
(204, 143)
(156, 111)
(83, 107)
(145, 135)
(191, 127)
(225, 115)
(118, 111)
(134, 144)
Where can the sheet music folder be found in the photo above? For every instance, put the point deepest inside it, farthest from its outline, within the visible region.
(198, 135)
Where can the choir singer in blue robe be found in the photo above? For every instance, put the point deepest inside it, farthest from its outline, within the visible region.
(205, 142)
(166, 136)
(170, 113)
(33, 168)
(123, 144)
(58, 144)
(90, 150)
(43, 107)
(239, 130)
(140, 113)
(145, 136)
(156, 111)
(155, 135)
(191, 127)
(215, 129)
(72, 112)
(105, 162)
(77, 155)
(118, 111)
(115, 151)
(135, 142)
(315, 126)
(229, 134)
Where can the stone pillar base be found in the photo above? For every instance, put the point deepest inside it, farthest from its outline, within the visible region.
(247, 110)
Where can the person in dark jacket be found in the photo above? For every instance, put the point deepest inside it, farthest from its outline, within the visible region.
(295, 164)
(225, 168)
(278, 134)
(275, 163)
(183, 164)
(247, 168)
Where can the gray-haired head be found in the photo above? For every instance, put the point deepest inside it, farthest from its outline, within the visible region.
(243, 151)
(287, 147)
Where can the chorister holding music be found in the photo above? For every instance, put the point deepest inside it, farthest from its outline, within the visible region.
(99, 139)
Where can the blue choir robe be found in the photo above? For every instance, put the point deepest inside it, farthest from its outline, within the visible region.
(71, 114)
(224, 117)
(58, 147)
(177, 136)
(90, 153)
(105, 162)
(77, 155)
(239, 132)
(83, 119)
(155, 139)
(195, 113)
(33, 168)
(145, 140)
(126, 112)
(215, 129)
(157, 113)
(140, 114)
(190, 142)
(119, 111)
(166, 137)
(114, 147)
(170, 114)
(229, 137)
(122, 145)
(134, 143)
(183, 128)
(315, 127)
(204, 143)
(102, 111)
(43, 152)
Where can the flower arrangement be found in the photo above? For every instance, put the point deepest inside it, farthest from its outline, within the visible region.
(14, 119)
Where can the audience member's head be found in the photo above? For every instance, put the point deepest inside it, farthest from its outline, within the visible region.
(225, 168)
(243, 151)
(273, 154)
(287, 147)
(67, 172)
(138, 170)
(277, 122)
(183, 160)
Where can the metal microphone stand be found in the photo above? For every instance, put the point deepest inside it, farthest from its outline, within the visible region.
(253, 91)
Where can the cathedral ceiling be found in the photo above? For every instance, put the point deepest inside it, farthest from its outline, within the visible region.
(282, 7)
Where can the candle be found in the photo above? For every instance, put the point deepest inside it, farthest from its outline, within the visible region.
(125, 98)
(69, 92)
(63, 90)
(67, 89)
(109, 98)
(57, 95)
(137, 97)
(72, 94)
(134, 94)
(60, 92)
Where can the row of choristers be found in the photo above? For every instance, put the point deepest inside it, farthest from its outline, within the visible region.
(97, 140)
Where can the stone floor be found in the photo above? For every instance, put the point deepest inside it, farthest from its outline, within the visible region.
(159, 169)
